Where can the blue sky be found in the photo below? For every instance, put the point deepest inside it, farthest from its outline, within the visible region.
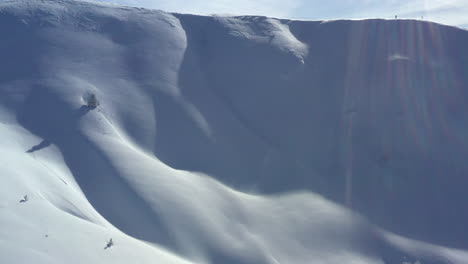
(451, 12)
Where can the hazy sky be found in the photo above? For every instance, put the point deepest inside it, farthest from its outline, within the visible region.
(452, 12)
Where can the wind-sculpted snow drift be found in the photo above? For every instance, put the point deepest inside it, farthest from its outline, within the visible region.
(229, 139)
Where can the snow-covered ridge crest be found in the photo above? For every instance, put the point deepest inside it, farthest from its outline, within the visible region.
(228, 139)
(266, 30)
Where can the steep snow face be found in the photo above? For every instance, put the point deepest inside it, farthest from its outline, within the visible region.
(229, 139)
(371, 119)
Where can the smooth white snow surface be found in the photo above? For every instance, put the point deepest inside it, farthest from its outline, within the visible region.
(229, 139)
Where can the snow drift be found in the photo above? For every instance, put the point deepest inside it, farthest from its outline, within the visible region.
(229, 139)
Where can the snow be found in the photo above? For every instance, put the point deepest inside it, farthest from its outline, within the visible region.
(229, 139)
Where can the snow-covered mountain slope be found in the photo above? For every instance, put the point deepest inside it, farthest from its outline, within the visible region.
(229, 139)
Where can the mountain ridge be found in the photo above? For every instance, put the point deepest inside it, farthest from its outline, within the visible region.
(240, 139)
